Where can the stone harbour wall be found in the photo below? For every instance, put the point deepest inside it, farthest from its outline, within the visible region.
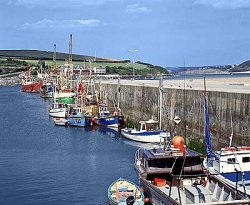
(142, 102)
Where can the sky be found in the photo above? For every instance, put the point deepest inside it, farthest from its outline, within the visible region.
(164, 32)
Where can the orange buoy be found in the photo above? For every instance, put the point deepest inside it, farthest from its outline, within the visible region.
(178, 141)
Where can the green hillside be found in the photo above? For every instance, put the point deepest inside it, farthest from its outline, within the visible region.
(12, 61)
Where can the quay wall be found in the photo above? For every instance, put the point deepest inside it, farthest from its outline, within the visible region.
(141, 102)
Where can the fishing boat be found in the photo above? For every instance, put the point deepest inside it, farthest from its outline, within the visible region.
(65, 96)
(58, 110)
(174, 175)
(124, 192)
(229, 164)
(107, 118)
(149, 132)
(46, 91)
(29, 85)
(61, 121)
(79, 118)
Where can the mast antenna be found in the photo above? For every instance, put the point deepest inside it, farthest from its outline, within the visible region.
(54, 60)
(232, 133)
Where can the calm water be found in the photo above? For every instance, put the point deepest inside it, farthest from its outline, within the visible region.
(44, 164)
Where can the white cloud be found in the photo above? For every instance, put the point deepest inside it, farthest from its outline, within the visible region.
(58, 3)
(136, 8)
(225, 3)
(47, 23)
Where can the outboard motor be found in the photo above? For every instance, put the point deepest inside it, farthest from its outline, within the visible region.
(130, 200)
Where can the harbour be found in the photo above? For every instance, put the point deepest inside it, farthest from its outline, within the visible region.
(78, 159)
(113, 102)
(44, 164)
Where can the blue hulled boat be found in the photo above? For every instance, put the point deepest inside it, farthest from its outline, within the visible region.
(108, 119)
(78, 119)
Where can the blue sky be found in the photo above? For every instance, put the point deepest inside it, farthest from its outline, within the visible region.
(203, 32)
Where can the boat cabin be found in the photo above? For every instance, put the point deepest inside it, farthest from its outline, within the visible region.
(150, 125)
(103, 110)
(230, 159)
(58, 105)
(171, 162)
(75, 110)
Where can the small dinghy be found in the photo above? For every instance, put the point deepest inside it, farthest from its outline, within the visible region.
(61, 121)
(124, 192)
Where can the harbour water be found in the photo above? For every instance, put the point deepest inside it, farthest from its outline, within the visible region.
(44, 164)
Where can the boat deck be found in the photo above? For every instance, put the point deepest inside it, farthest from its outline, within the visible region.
(161, 153)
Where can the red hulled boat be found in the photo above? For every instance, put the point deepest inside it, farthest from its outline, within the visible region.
(28, 85)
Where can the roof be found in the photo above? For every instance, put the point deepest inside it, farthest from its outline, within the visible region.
(161, 154)
(149, 121)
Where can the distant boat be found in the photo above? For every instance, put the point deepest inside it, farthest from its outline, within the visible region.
(124, 192)
(148, 132)
(30, 86)
(58, 110)
(46, 91)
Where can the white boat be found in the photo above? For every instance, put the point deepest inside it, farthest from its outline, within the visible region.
(148, 132)
(58, 110)
(232, 166)
(61, 121)
(229, 164)
(64, 95)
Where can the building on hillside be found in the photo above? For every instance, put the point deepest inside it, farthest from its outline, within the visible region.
(99, 70)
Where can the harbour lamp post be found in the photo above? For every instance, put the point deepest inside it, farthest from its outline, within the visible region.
(133, 51)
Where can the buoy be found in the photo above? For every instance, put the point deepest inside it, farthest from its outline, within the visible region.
(146, 200)
(92, 119)
(178, 141)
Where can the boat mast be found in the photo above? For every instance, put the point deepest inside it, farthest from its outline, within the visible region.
(160, 101)
(54, 61)
(232, 133)
(207, 129)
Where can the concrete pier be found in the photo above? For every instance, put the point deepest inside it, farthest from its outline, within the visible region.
(228, 97)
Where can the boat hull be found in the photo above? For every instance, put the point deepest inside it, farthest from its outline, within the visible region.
(110, 121)
(79, 121)
(146, 137)
(61, 121)
(58, 113)
(66, 100)
(33, 87)
(155, 195)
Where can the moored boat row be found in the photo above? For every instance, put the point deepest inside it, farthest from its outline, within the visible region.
(169, 173)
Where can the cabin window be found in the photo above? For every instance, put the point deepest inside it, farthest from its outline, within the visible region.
(231, 160)
(245, 159)
(143, 127)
